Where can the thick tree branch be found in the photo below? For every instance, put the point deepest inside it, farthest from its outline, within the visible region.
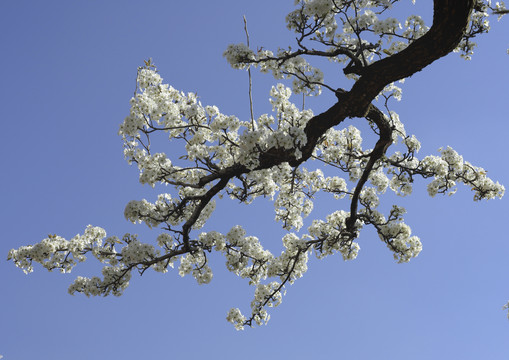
(450, 20)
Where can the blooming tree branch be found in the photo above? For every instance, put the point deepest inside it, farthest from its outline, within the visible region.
(223, 155)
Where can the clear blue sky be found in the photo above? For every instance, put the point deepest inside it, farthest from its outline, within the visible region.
(68, 72)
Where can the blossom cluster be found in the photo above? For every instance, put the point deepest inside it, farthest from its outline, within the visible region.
(55, 252)
(448, 169)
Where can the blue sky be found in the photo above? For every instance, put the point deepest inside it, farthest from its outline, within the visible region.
(68, 72)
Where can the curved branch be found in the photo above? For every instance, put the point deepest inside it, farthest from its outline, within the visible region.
(384, 141)
(450, 20)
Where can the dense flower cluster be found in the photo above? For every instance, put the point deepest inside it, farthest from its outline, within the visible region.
(221, 155)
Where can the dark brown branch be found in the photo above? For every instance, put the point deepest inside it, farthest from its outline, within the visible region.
(384, 141)
(205, 199)
(450, 20)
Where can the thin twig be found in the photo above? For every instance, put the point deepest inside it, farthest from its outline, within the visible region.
(253, 125)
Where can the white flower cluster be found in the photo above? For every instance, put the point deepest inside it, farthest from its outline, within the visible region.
(289, 266)
(293, 202)
(500, 8)
(306, 78)
(236, 318)
(55, 252)
(479, 24)
(294, 256)
(137, 252)
(319, 11)
(398, 239)
(197, 264)
(355, 23)
(115, 281)
(166, 210)
(343, 149)
(238, 55)
(448, 169)
(333, 237)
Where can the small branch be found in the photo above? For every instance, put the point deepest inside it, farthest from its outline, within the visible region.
(385, 140)
(253, 125)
